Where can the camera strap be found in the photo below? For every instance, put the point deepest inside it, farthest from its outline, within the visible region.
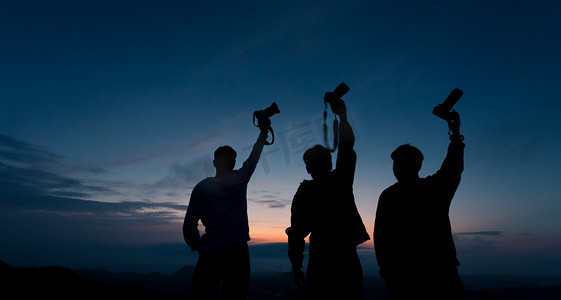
(335, 131)
(272, 136)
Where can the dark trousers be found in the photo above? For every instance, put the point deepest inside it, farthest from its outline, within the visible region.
(442, 284)
(334, 274)
(229, 265)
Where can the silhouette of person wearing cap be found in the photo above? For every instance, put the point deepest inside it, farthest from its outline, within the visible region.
(412, 233)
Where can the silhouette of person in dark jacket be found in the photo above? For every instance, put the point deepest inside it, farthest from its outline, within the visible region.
(220, 203)
(412, 233)
(324, 207)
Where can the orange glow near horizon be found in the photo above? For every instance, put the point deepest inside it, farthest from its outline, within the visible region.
(262, 235)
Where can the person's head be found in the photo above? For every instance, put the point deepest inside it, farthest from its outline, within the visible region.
(407, 161)
(318, 161)
(224, 160)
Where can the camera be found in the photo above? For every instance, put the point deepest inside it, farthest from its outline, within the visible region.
(263, 122)
(443, 110)
(341, 90)
(263, 115)
(337, 93)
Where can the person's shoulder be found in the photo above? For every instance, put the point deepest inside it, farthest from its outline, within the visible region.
(306, 187)
(430, 180)
(206, 181)
(235, 176)
(391, 188)
(203, 183)
(305, 184)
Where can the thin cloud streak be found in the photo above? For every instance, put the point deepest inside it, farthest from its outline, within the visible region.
(27, 169)
(18, 151)
(268, 199)
(202, 143)
(484, 233)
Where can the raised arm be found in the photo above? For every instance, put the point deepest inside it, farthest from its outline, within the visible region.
(451, 170)
(346, 156)
(453, 164)
(251, 162)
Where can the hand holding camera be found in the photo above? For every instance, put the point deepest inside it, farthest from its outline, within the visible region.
(454, 122)
(338, 106)
(443, 110)
(264, 121)
(451, 116)
(334, 99)
(264, 125)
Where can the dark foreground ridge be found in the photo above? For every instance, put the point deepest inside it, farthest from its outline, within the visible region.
(64, 283)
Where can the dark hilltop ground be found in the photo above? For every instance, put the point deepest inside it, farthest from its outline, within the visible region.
(64, 283)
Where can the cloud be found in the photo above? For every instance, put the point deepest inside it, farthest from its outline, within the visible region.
(29, 169)
(34, 191)
(31, 180)
(276, 203)
(21, 152)
(271, 200)
(17, 153)
(484, 233)
(182, 175)
(476, 241)
(471, 245)
(47, 229)
(62, 206)
(42, 202)
(207, 142)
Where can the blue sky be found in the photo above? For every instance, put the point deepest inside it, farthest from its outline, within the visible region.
(110, 112)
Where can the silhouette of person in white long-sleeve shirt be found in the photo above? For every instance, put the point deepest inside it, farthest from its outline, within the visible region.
(220, 203)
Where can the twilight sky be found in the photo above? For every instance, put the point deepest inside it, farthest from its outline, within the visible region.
(110, 112)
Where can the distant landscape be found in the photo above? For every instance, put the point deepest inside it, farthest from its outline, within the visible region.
(66, 283)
